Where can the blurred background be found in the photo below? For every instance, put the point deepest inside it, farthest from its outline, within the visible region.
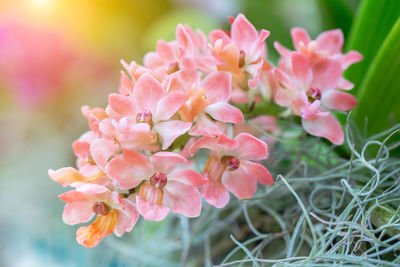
(57, 55)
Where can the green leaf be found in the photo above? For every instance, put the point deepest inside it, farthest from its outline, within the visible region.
(379, 95)
(373, 22)
(336, 14)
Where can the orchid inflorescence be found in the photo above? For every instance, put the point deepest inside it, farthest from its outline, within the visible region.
(138, 157)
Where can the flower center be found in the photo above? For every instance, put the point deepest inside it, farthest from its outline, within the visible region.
(232, 163)
(196, 103)
(144, 117)
(100, 208)
(158, 180)
(314, 94)
(242, 56)
(173, 67)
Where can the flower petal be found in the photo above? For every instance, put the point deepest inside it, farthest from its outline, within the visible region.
(169, 105)
(240, 183)
(123, 105)
(301, 69)
(257, 171)
(126, 219)
(166, 161)
(330, 41)
(225, 112)
(215, 194)
(147, 92)
(101, 150)
(338, 100)
(187, 176)
(78, 212)
(250, 147)
(170, 130)
(183, 198)
(217, 86)
(299, 35)
(327, 74)
(66, 176)
(205, 126)
(328, 127)
(150, 211)
(129, 169)
(243, 33)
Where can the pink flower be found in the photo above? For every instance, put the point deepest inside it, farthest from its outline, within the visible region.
(146, 113)
(165, 187)
(242, 53)
(230, 167)
(113, 214)
(311, 90)
(207, 97)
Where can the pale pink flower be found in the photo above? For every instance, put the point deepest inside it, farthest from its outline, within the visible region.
(230, 167)
(146, 113)
(165, 187)
(114, 215)
(242, 53)
(204, 97)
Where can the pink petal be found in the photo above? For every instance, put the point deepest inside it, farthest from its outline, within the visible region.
(166, 161)
(257, 171)
(183, 198)
(152, 60)
(338, 100)
(250, 147)
(92, 189)
(81, 149)
(66, 176)
(127, 218)
(150, 211)
(165, 51)
(225, 112)
(330, 41)
(299, 35)
(328, 127)
(169, 105)
(123, 105)
(204, 126)
(227, 144)
(345, 84)
(351, 58)
(258, 47)
(240, 183)
(188, 73)
(243, 33)
(217, 86)
(327, 74)
(301, 69)
(183, 39)
(129, 169)
(219, 34)
(187, 176)
(78, 212)
(215, 194)
(283, 51)
(204, 142)
(147, 92)
(101, 150)
(170, 130)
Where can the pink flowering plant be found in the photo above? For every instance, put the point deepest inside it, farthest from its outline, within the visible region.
(196, 93)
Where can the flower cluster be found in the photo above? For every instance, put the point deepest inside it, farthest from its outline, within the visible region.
(138, 157)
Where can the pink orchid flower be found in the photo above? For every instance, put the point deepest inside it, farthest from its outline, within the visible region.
(165, 187)
(311, 90)
(146, 113)
(230, 167)
(327, 45)
(242, 53)
(114, 215)
(206, 97)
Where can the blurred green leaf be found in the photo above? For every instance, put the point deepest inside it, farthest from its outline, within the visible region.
(337, 14)
(379, 94)
(373, 22)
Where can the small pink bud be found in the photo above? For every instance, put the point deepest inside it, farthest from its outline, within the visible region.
(159, 180)
(100, 208)
(232, 163)
(144, 117)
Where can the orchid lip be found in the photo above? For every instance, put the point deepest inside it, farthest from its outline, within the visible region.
(232, 163)
(100, 208)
